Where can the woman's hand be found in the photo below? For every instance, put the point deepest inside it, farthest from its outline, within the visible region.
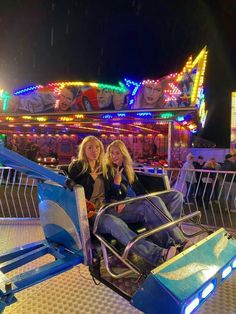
(118, 176)
(95, 172)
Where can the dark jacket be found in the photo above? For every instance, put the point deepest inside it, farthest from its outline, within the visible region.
(229, 166)
(137, 187)
(206, 177)
(198, 166)
(112, 191)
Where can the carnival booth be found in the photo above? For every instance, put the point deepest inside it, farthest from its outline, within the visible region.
(155, 118)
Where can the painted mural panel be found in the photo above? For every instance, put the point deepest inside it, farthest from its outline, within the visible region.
(177, 90)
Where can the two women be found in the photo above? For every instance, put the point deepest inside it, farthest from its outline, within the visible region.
(116, 181)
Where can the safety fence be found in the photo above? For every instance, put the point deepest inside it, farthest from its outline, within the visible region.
(18, 194)
(211, 192)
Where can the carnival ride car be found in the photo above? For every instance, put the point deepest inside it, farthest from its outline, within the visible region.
(179, 285)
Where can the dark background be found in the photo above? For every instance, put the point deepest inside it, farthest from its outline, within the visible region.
(105, 41)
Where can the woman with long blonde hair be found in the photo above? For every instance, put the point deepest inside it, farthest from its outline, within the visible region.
(156, 208)
(127, 162)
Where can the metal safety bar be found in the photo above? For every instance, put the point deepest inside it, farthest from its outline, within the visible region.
(104, 246)
(127, 200)
(156, 230)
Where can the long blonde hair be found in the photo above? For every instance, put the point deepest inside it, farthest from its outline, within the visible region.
(128, 167)
(83, 158)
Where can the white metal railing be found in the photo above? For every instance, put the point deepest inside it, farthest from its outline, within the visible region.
(213, 194)
(18, 194)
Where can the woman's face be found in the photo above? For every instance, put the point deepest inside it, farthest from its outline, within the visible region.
(118, 100)
(92, 150)
(152, 92)
(65, 100)
(116, 156)
(104, 97)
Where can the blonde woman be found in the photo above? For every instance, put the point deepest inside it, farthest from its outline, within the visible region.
(151, 212)
(89, 171)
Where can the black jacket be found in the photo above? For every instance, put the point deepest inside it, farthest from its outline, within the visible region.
(206, 177)
(229, 166)
(137, 187)
(112, 191)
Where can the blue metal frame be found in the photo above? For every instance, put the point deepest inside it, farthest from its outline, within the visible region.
(64, 260)
(172, 286)
(59, 215)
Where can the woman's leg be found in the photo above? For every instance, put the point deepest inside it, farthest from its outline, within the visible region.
(148, 212)
(119, 230)
(174, 203)
(161, 205)
(133, 213)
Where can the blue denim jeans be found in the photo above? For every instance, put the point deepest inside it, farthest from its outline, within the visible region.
(145, 212)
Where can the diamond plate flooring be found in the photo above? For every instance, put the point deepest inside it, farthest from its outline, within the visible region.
(74, 291)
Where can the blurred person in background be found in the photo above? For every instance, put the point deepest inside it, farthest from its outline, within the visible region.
(230, 182)
(189, 177)
(208, 179)
(198, 165)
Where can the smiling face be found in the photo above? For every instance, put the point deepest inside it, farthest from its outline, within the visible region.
(152, 93)
(116, 156)
(92, 150)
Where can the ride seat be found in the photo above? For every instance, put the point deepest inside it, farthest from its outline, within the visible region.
(63, 169)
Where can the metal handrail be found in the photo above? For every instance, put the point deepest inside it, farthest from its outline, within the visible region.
(124, 273)
(125, 201)
(156, 230)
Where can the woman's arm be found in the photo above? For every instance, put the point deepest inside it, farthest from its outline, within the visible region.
(74, 170)
(115, 191)
(84, 179)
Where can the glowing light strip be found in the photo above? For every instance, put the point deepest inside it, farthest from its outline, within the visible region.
(130, 84)
(144, 114)
(143, 128)
(120, 88)
(233, 111)
(207, 290)
(199, 77)
(115, 127)
(167, 115)
(5, 97)
(226, 272)
(234, 263)
(189, 309)
(107, 116)
(25, 90)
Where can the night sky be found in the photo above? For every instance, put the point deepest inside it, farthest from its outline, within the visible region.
(105, 41)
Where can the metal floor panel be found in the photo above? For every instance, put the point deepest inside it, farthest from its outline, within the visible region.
(74, 291)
